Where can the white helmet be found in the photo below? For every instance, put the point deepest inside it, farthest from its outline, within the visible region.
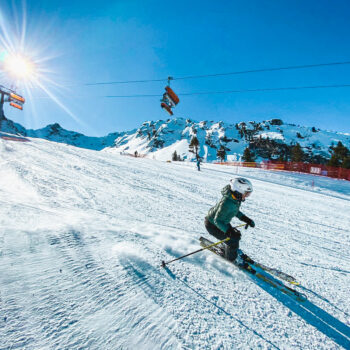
(241, 185)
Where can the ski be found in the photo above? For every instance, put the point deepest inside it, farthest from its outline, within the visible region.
(277, 273)
(249, 268)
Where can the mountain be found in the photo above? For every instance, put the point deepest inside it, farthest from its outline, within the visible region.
(271, 139)
(54, 132)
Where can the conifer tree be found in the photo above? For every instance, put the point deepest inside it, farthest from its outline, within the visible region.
(334, 161)
(247, 155)
(174, 156)
(340, 156)
(194, 146)
(346, 163)
(297, 153)
(221, 153)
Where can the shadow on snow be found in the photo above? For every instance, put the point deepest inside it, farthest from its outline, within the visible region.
(144, 269)
(324, 322)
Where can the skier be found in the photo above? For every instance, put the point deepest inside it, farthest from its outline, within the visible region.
(198, 164)
(217, 221)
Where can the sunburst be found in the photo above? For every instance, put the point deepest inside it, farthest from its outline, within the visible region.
(24, 65)
(20, 67)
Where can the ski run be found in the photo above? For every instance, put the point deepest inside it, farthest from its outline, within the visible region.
(83, 234)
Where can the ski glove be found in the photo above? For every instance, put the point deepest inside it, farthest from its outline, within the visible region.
(233, 233)
(248, 221)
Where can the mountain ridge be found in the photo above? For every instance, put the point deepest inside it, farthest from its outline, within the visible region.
(269, 139)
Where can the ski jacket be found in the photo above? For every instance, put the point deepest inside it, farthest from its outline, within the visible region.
(222, 213)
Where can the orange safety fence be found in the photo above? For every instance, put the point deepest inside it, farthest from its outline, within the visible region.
(315, 169)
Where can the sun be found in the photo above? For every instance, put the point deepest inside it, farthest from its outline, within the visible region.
(27, 60)
(20, 67)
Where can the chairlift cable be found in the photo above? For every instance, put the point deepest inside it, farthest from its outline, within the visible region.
(305, 66)
(238, 91)
(213, 92)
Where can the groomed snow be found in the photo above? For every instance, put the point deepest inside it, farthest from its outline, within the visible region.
(83, 234)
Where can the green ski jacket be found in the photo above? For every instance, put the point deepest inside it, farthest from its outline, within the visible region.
(222, 213)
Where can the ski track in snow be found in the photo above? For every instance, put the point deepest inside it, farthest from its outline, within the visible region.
(83, 234)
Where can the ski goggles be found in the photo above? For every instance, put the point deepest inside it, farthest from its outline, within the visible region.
(246, 194)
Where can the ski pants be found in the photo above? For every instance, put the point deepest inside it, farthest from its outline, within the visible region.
(231, 246)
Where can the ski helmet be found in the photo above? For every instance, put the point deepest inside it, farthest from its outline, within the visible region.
(241, 185)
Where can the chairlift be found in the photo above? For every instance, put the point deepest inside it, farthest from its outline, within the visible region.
(170, 99)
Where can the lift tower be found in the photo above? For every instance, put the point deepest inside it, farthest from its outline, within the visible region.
(11, 96)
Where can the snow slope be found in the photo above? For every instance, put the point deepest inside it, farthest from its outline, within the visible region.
(82, 234)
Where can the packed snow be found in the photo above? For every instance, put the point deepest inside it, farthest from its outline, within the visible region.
(83, 234)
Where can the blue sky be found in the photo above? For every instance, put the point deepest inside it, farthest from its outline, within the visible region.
(82, 42)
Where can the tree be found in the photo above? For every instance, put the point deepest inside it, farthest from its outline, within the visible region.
(194, 146)
(276, 122)
(346, 163)
(221, 153)
(174, 156)
(297, 153)
(247, 155)
(340, 156)
(334, 161)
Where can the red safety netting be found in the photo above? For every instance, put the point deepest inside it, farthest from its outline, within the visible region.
(315, 169)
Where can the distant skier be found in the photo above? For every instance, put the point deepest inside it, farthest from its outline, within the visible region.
(198, 164)
(217, 221)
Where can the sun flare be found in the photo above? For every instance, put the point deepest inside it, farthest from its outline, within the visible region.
(27, 62)
(20, 67)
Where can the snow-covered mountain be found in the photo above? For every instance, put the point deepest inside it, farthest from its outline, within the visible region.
(54, 132)
(83, 233)
(159, 139)
(267, 139)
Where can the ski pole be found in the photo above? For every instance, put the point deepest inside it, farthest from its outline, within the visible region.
(199, 250)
